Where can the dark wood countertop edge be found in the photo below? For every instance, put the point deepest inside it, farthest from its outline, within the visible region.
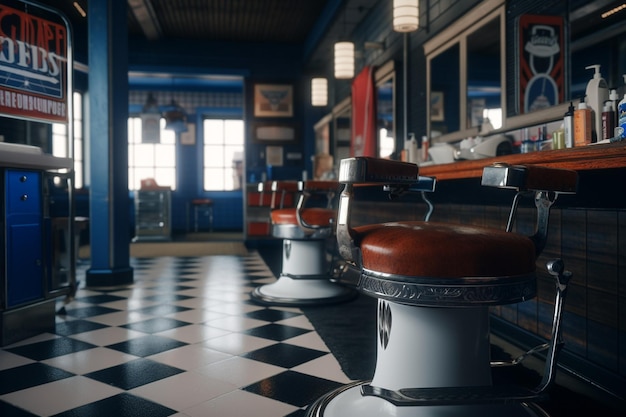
(590, 157)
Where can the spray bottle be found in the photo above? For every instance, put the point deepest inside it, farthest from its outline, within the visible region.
(597, 93)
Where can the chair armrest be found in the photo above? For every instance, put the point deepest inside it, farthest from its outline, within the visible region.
(546, 184)
(530, 177)
(369, 171)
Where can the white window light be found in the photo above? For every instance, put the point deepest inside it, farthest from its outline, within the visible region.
(405, 15)
(344, 60)
(319, 92)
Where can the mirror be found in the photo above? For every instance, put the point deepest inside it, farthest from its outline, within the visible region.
(470, 78)
(484, 81)
(597, 33)
(384, 115)
(445, 92)
(465, 70)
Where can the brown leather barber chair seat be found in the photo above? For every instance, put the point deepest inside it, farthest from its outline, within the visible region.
(434, 283)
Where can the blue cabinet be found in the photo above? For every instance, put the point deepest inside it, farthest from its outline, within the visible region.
(23, 212)
(30, 279)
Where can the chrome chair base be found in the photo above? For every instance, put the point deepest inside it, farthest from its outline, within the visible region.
(348, 400)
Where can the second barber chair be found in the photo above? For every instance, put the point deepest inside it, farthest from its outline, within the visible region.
(307, 231)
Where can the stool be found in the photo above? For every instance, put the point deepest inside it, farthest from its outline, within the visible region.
(199, 205)
(305, 277)
(434, 283)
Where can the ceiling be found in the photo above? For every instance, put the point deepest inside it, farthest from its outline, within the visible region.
(314, 24)
(276, 21)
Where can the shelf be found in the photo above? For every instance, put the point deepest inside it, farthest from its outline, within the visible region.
(593, 157)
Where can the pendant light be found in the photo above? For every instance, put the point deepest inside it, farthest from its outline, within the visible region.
(405, 15)
(344, 60)
(344, 55)
(319, 92)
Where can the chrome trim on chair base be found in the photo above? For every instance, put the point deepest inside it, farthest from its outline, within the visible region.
(348, 400)
(449, 292)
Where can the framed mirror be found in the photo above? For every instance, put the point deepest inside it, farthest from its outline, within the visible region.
(465, 74)
(484, 76)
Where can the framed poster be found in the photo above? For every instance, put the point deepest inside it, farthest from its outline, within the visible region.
(188, 137)
(274, 156)
(541, 62)
(436, 106)
(273, 100)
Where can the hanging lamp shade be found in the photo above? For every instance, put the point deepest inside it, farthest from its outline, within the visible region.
(344, 60)
(405, 15)
(175, 118)
(319, 92)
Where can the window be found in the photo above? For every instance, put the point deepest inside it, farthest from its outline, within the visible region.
(151, 160)
(60, 141)
(223, 154)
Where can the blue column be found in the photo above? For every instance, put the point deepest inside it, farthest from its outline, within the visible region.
(108, 114)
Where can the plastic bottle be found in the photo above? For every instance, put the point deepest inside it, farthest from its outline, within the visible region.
(412, 144)
(568, 126)
(608, 121)
(425, 144)
(582, 124)
(620, 130)
(527, 144)
(597, 93)
(614, 99)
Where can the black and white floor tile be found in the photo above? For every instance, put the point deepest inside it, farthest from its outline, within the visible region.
(184, 340)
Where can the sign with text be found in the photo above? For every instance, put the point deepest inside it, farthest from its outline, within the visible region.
(33, 64)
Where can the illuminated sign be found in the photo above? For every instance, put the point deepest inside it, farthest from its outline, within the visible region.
(33, 66)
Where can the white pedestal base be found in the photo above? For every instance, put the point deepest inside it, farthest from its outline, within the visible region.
(304, 279)
(425, 347)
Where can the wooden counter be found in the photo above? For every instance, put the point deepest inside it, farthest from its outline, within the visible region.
(591, 157)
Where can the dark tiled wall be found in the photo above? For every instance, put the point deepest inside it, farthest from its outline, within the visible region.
(592, 243)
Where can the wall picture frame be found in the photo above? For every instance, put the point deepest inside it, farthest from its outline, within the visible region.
(437, 113)
(273, 100)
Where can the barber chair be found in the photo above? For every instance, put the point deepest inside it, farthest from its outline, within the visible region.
(434, 283)
(306, 230)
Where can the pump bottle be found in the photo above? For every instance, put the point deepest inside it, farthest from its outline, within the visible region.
(582, 124)
(597, 93)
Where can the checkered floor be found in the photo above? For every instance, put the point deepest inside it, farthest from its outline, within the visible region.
(183, 340)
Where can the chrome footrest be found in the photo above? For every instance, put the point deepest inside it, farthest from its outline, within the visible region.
(453, 396)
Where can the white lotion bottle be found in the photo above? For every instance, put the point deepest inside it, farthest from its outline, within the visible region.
(597, 93)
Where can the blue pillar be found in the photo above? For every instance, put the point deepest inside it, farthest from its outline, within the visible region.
(108, 114)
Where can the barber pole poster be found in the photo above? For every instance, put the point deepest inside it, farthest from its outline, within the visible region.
(34, 61)
(541, 71)
(364, 135)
